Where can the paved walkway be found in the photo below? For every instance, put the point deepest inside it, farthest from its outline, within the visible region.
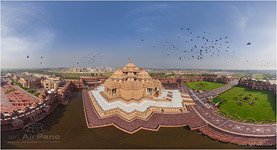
(227, 125)
(236, 139)
(217, 91)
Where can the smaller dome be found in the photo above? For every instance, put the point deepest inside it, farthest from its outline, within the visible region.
(111, 84)
(117, 74)
(143, 72)
(143, 75)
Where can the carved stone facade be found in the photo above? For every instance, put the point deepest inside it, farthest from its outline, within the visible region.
(131, 83)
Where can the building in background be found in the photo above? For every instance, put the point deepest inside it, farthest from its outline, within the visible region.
(51, 83)
(29, 81)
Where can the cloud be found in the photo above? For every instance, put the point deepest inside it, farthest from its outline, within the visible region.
(242, 22)
(13, 43)
(240, 18)
(24, 31)
(15, 16)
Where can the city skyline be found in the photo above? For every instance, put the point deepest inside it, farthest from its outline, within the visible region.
(66, 34)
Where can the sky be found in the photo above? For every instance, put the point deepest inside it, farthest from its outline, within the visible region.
(72, 34)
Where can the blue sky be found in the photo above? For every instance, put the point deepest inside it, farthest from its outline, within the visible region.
(67, 32)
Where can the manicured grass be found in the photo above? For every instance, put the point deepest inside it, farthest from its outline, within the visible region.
(216, 100)
(238, 75)
(259, 76)
(248, 105)
(204, 85)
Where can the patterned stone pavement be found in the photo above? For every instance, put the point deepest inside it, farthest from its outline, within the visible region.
(236, 139)
(230, 126)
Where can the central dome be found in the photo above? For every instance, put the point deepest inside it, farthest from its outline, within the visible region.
(130, 65)
(131, 83)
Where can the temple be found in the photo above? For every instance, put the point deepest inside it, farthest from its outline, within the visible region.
(130, 96)
(131, 83)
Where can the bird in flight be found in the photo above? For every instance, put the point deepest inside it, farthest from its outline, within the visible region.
(249, 43)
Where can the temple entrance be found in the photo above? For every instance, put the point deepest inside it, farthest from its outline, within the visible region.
(113, 91)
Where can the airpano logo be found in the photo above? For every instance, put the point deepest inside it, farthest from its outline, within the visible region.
(34, 128)
(35, 133)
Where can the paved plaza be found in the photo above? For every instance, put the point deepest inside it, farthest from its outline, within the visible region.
(227, 125)
(199, 116)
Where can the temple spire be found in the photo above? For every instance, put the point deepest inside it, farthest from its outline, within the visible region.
(129, 60)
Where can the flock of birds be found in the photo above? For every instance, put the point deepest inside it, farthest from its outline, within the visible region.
(89, 59)
(188, 45)
(195, 46)
(41, 59)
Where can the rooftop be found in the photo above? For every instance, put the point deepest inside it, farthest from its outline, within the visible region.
(29, 77)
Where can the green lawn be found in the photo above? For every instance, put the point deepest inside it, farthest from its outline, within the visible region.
(259, 76)
(248, 105)
(238, 75)
(216, 100)
(204, 85)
